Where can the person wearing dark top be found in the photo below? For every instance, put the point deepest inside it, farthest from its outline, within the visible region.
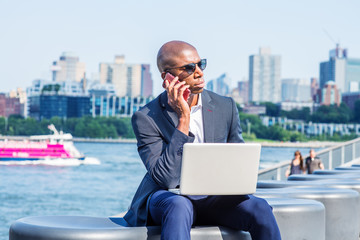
(313, 162)
(296, 165)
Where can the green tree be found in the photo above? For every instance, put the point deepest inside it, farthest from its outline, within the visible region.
(70, 124)
(278, 133)
(80, 129)
(332, 114)
(2, 126)
(303, 114)
(110, 131)
(57, 87)
(345, 114)
(14, 123)
(357, 111)
(95, 130)
(58, 123)
(272, 109)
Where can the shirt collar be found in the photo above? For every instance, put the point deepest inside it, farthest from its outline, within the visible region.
(199, 103)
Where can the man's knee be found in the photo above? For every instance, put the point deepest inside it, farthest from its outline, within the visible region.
(181, 205)
(261, 210)
(260, 203)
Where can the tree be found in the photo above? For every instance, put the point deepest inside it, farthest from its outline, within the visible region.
(357, 111)
(58, 122)
(110, 131)
(272, 109)
(344, 112)
(303, 114)
(57, 87)
(2, 126)
(95, 130)
(80, 130)
(70, 124)
(278, 133)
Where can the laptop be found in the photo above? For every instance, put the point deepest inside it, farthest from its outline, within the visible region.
(219, 168)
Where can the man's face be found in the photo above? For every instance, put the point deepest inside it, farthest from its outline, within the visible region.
(312, 153)
(195, 79)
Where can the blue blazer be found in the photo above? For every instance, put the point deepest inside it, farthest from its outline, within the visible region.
(160, 144)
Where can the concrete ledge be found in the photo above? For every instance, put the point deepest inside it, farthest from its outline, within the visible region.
(291, 213)
(342, 207)
(337, 171)
(288, 212)
(313, 177)
(86, 228)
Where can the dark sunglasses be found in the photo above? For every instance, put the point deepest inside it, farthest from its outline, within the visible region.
(190, 68)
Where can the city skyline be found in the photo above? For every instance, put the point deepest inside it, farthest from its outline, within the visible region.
(37, 32)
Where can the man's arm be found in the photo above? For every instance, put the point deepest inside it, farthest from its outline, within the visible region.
(321, 165)
(161, 157)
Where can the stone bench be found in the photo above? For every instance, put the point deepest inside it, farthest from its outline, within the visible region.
(336, 171)
(348, 168)
(86, 228)
(309, 214)
(330, 183)
(342, 207)
(299, 218)
(313, 177)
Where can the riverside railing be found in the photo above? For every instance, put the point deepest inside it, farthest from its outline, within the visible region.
(341, 154)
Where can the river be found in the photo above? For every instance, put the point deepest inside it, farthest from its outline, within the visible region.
(103, 186)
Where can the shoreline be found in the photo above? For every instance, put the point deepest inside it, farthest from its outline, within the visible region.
(310, 144)
(314, 144)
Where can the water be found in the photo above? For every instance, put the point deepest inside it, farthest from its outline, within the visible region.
(103, 188)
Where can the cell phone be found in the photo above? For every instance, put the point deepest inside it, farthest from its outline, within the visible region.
(169, 77)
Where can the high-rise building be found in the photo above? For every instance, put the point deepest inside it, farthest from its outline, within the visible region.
(146, 81)
(329, 94)
(341, 69)
(48, 105)
(220, 85)
(128, 79)
(314, 88)
(350, 99)
(295, 90)
(104, 102)
(47, 99)
(68, 68)
(265, 77)
(243, 87)
(10, 105)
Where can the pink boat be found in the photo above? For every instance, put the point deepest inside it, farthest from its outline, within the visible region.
(56, 146)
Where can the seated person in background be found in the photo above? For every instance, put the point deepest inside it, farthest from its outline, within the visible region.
(313, 162)
(162, 127)
(296, 165)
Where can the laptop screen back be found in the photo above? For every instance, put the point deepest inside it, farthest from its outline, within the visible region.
(219, 168)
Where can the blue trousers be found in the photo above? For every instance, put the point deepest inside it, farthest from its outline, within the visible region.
(177, 214)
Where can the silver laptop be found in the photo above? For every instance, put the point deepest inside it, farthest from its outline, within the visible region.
(219, 168)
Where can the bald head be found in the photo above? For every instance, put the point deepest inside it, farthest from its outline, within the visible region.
(170, 51)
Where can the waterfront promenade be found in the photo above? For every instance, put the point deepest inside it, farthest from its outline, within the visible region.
(310, 144)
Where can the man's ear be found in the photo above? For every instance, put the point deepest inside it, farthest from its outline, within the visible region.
(163, 75)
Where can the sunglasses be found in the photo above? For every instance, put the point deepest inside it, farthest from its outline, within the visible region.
(190, 68)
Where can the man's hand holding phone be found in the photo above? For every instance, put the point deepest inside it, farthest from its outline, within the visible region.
(169, 78)
(178, 94)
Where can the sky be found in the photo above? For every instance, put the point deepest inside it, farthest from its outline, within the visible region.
(35, 33)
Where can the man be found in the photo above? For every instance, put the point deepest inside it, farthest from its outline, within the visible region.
(162, 127)
(313, 162)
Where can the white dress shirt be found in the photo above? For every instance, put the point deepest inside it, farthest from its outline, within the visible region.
(196, 121)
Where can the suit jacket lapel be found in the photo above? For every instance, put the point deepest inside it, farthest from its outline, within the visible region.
(169, 113)
(208, 117)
